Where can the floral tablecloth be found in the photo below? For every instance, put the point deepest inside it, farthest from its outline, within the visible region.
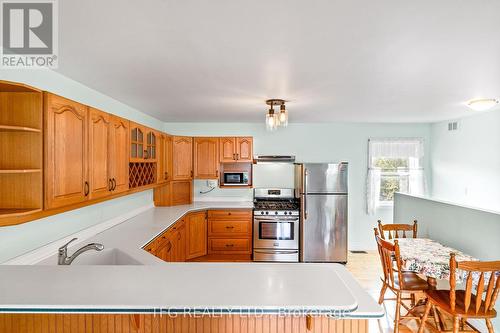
(430, 258)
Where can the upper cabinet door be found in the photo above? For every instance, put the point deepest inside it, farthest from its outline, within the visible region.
(167, 158)
(66, 147)
(227, 149)
(182, 156)
(99, 176)
(164, 158)
(161, 176)
(244, 149)
(151, 145)
(119, 153)
(137, 142)
(206, 158)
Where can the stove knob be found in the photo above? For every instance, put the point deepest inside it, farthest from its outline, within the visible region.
(261, 213)
(285, 213)
(267, 213)
(290, 213)
(275, 213)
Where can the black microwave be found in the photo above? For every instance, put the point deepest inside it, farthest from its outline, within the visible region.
(235, 178)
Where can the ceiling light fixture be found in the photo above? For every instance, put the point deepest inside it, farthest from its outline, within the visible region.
(482, 104)
(273, 120)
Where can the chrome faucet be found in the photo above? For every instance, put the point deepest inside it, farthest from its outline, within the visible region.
(63, 258)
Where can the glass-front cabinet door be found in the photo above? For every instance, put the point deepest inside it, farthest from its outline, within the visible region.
(151, 146)
(136, 143)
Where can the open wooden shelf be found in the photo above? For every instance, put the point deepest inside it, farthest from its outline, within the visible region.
(12, 212)
(9, 128)
(9, 171)
(21, 152)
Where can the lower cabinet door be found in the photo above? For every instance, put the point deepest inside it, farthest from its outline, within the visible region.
(180, 244)
(196, 230)
(165, 250)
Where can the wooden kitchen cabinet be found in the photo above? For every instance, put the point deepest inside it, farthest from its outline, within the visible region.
(164, 158)
(230, 231)
(196, 231)
(236, 149)
(66, 152)
(151, 151)
(164, 251)
(227, 149)
(143, 143)
(182, 158)
(137, 142)
(179, 241)
(108, 154)
(119, 154)
(100, 182)
(171, 244)
(244, 149)
(206, 158)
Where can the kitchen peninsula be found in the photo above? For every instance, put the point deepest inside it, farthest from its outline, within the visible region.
(148, 292)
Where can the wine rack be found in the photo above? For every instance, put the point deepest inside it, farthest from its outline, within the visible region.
(142, 174)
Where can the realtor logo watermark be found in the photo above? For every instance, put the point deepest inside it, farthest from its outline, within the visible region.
(29, 34)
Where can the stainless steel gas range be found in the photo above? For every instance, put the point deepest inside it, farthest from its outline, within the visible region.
(275, 225)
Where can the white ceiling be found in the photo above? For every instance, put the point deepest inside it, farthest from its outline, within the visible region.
(350, 60)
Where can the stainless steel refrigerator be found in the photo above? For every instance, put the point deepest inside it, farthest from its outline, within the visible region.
(322, 189)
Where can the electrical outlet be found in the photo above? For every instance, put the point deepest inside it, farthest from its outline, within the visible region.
(212, 183)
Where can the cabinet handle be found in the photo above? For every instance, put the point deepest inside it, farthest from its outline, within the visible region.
(114, 184)
(229, 227)
(217, 173)
(146, 154)
(86, 188)
(191, 173)
(229, 245)
(110, 184)
(169, 246)
(234, 157)
(237, 156)
(166, 175)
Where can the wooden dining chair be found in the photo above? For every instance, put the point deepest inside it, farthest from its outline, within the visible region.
(397, 280)
(469, 303)
(397, 230)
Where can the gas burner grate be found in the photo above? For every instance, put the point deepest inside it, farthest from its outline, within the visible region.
(276, 205)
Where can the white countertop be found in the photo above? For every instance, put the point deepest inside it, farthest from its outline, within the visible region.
(175, 287)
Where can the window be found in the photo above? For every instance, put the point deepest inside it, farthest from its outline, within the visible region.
(394, 165)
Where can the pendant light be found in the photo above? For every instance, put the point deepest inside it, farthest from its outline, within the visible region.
(283, 116)
(274, 119)
(271, 120)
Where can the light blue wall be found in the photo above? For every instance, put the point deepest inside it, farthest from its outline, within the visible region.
(23, 238)
(328, 142)
(466, 163)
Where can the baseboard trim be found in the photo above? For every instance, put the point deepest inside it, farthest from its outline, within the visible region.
(50, 249)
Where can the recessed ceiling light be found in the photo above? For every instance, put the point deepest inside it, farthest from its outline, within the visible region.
(482, 104)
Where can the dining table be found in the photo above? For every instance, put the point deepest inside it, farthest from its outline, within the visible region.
(430, 258)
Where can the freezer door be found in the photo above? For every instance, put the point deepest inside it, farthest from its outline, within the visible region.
(325, 178)
(324, 228)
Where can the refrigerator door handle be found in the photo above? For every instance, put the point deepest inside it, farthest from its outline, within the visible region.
(305, 193)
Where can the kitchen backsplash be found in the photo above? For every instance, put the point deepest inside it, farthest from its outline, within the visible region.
(280, 175)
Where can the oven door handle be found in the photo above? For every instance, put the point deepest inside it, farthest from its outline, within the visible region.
(277, 252)
(276, 219)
